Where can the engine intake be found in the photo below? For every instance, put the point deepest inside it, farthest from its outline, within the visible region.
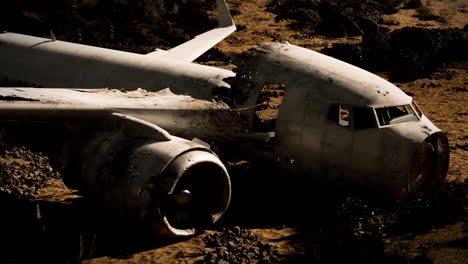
(178, 186)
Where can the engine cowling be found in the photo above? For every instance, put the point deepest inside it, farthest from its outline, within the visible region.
(177, 185)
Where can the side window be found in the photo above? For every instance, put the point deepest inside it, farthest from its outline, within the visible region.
(340, 114)
(345, 116)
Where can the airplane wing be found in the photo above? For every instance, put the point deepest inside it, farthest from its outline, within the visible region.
(180, 114)
(192, 49)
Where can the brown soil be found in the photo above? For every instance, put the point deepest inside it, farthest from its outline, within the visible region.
(256, 25)
(447, 14)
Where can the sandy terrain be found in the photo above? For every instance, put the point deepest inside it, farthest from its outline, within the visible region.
(450, 14)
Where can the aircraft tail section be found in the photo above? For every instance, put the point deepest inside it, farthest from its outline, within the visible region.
(194, 48)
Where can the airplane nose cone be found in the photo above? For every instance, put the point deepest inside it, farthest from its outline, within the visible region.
(429, 164)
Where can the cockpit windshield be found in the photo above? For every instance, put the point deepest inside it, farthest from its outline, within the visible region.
(397, 114)
(357, 117)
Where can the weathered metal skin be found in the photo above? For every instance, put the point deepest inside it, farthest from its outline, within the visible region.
(142, 178)
(181, 115)
(311, 144)
(71, 65)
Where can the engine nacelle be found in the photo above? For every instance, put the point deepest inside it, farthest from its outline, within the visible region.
(178, 186)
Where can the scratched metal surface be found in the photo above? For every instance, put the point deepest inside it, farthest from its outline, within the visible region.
(179, 114)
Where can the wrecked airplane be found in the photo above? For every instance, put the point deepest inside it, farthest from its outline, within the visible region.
(131, 116)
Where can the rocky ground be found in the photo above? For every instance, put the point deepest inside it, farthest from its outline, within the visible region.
(43, 219)
(24, 173)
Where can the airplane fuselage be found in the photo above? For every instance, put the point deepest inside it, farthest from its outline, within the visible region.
(343, 125)
(39, 62)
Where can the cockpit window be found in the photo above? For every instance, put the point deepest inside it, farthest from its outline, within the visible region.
(357, 118)
(416, 108)
(395, 115)
(352, 116)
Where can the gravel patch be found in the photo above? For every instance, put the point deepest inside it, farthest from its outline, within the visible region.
(239, 246)
(23, 173)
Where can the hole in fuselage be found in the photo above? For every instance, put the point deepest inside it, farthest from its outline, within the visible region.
(270, 98)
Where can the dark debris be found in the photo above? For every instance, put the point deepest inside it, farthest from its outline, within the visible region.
(239, 246)
(23, 173)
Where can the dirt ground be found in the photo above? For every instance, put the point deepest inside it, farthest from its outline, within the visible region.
(442, 98)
